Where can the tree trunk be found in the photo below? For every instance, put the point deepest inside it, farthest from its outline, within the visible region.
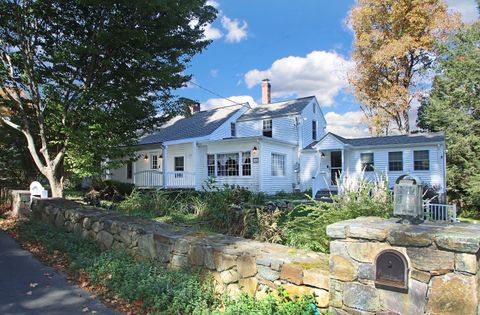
(56, 185)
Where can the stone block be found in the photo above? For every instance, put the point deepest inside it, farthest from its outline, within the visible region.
(365, 252)
(466, 263)
(124, 236)
(181, 246)
(292, 273)
(453, 294)
(419, 275)
(367, 232)
(249, 285)
(246, 266)
(316, 277)
(366, 271)
(298, 290)
(224, 261)
(410, 236)
(233, 290)
(427, 259)
(196, 256)
(413, 302)
(229, 276)
(163, 252)
(336, 298)
(209, 258)
(342, 268)
(97, 226)
(179, 261)
(78, 228)
(59, 220)
(146, 246)
(361, 297)
(322, 298)
(459, 240)
(87, 223)
(267, 273)
(105, 239)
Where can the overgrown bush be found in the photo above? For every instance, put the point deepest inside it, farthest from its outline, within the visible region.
(306, 226)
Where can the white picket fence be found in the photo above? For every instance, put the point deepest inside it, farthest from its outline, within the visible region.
(439, 212)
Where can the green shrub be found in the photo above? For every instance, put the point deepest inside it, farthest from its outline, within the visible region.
(306, 225)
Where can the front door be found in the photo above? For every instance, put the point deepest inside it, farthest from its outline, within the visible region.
(335, 167)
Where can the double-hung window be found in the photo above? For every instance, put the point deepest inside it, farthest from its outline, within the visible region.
(278, 164)
(179, 164)
(367, 161)
(211, 164)
(153, 161)
(267, 128)
(246, 163)
(395, 161)
(421, 160)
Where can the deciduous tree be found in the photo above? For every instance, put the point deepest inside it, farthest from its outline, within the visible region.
(393, 48)
(453, 106)
(82, 79)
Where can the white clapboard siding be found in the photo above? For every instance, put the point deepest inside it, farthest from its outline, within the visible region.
(330, 142)
(307, 116)
(273, 184)
(284, 128)
(308, 169)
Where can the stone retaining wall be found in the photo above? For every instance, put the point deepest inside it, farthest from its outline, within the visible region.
(443, 263)
(237, 264)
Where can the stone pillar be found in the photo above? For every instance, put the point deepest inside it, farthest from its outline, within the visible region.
(20, 203)
(442, 267)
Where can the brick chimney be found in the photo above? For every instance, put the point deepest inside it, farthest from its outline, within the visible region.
(266, 91)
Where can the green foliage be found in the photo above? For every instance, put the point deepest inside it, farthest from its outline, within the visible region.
(84, 79)
(306, 225)
(453, 106)
(157, 289)
(279, 303)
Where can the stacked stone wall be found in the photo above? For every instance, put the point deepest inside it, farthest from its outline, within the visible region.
(237, 264)
(443, 262)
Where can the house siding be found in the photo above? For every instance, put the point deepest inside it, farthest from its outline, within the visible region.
(308, 115)
(308, 169)
(434, 176)
(273, 184)
(284, 128)
(250, 182)
(120, 174)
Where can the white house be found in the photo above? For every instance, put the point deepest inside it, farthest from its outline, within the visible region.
(281, 146)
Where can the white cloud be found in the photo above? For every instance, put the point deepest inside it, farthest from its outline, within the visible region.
(468, 9)
(213, 3)
(221, 102)
(236, 29)
(212, 33)
(348, 125)
(320, 73)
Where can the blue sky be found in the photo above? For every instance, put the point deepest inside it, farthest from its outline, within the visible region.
(303, 47)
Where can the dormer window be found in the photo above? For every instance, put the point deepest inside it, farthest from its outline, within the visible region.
(267, 128)
(233, 129)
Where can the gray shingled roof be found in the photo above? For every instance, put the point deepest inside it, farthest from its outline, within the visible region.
(277, 109)
(416, 138)
(199, 124)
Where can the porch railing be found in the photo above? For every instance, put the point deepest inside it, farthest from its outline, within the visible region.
(148, 179)
(439, 212)
(180, 180)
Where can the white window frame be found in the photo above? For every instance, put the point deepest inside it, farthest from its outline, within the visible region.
(154, 157)
(240, 164)
(428, 160)
(283, 164)
(267, 126)
(174, 163)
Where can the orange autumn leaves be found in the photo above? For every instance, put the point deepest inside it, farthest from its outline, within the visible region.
(394, 47)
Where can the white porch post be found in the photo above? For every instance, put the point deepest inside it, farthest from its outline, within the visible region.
(195, 163)
(164, 165)
(342, 175)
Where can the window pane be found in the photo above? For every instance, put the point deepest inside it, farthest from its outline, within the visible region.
(278, 164)
(153, 161)
(211, 164)
(421, 160)
(314, 129)
(179, 164)
(129, 170)
(267, 128)
(395, 161)
(233, 130)
(367, 161)
(227, 164)
(246, 164)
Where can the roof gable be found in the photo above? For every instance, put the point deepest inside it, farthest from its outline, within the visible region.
(200, 124)
(277, 109)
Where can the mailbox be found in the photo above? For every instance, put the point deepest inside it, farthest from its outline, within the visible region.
(391, 271)
(408, 197)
